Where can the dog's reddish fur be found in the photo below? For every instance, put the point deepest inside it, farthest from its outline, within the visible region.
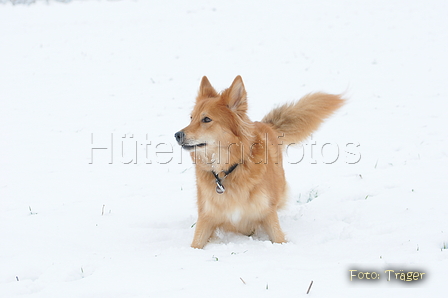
(221, 135)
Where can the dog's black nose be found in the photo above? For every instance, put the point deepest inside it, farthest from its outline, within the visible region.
(180, 137)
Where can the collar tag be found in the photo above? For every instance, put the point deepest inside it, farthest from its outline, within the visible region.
(220, 189)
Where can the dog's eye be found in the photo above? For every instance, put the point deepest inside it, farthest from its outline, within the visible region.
(206, 120)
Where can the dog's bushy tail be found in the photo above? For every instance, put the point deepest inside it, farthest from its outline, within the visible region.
(299, 119)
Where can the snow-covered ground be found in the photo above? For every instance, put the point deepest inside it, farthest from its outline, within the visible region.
(79, 221)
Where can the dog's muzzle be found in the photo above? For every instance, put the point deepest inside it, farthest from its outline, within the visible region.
(187, 145)
(180, 137)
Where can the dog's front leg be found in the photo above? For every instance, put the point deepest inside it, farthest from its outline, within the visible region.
(203, 232)
(271, 225)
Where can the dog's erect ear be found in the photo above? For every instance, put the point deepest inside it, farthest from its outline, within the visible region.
(237, 96)
(206, 89)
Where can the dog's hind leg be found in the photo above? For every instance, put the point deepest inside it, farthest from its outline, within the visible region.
(203, 232)
(271, 226)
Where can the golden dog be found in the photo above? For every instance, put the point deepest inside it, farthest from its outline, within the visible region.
(240, 178)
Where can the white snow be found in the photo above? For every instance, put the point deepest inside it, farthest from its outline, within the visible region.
(127, 72)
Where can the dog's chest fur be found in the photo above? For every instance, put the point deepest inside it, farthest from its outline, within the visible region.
(236, 207)
(234, 216)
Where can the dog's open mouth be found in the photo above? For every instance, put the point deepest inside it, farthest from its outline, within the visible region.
(192, 147)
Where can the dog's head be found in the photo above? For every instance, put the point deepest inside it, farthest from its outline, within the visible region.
(218, 119)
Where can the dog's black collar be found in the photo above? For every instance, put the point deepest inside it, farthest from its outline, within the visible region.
(220, 189)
